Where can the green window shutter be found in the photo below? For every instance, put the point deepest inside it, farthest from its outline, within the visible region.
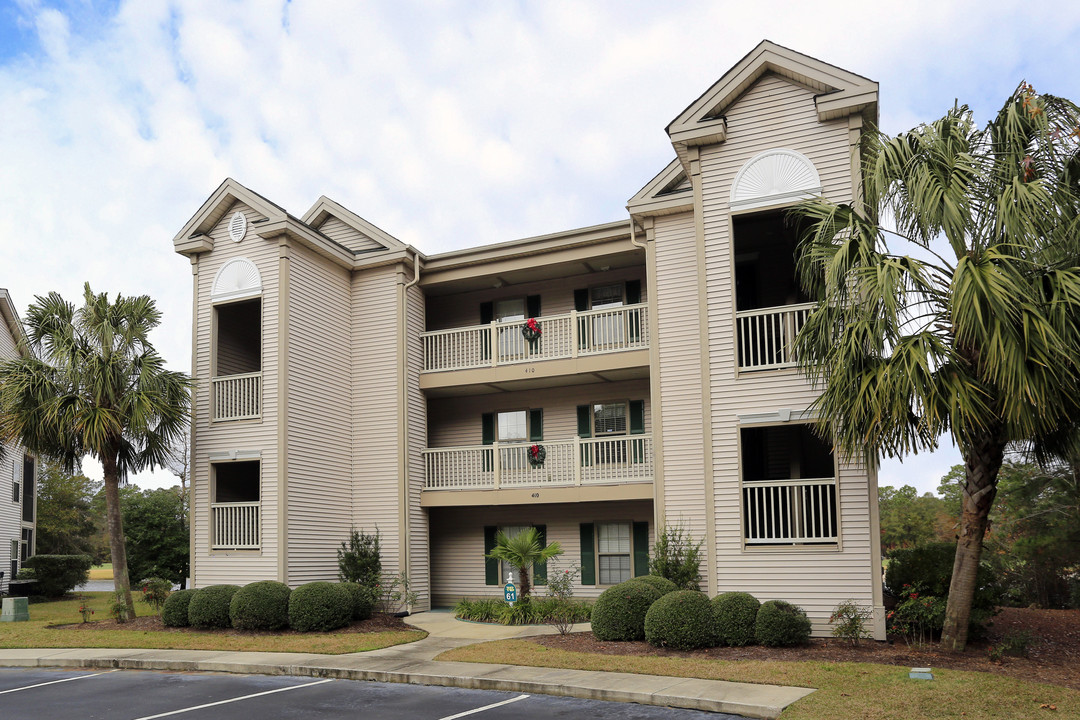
(491, 565)
(540, 569)
(536, 425)
(581, 299)
(532, 306)
(487, 436)
(633, 292)
(588, 557)
(637, 427)
(584, 430)
(641, 549)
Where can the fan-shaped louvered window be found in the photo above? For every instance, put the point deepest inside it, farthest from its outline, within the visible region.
(237, 278)
(774, 177)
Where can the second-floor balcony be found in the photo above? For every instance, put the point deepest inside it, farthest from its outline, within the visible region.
(571, 335)
(566, 463)
(766, 336)
(236, 397)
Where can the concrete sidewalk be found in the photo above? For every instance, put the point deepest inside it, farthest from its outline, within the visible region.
(413, 663)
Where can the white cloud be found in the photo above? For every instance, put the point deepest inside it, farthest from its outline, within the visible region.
(446, 124)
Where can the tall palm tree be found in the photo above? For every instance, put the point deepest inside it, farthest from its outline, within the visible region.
(975, 333)
(94, 385)
(523, 551)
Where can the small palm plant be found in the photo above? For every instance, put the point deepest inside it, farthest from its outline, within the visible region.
(523, 551)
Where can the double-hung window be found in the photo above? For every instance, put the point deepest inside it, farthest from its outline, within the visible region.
(609, 421)
(613, 548)
(607, 329)
(16, 495)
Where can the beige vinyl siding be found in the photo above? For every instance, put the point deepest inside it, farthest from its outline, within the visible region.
(344, 234)
(457, 542)
(456, 421)
(376, 393)
(679, 350)
(244, 435)
(419, 570)
(11, 470)
(556, 297)
(774, 113)
(318, 439)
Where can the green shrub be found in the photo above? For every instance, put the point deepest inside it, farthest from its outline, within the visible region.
(735, 614)
(929, 568)
(174, 613)
(320, 606)
(209, 608)
(619, 612)
(682, 620)
(662, 584)
(677, 557)
(360, 561)
(58, 575)
(483, 610)
(363, 599)
(155, 592)
(780, 624)
(260, 606)
(849, 620)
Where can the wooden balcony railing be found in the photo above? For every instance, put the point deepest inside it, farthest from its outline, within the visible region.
(578, 461)
(561, 336)
(235, 525)
(766, 336)
(237, 397)
(785, 512)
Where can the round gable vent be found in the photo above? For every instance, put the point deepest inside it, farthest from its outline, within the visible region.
(237, 226)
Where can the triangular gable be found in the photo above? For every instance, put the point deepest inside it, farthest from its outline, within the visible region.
(193, 236)
(10, 318)
(347, 228)
(670, 191)
(840, 93)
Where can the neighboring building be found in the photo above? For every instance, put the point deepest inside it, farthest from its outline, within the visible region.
(18, 477)
(345, 379)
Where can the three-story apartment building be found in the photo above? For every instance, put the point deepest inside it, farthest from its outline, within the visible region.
(595, 383)
(18, 479)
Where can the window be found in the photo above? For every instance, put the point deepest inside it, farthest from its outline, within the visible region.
(27, 544)
(15, 494)
(511, 342)
(613, 548)
(513, 426)
(605, 296)
(235, 509)
(14, 560)
(609, 420)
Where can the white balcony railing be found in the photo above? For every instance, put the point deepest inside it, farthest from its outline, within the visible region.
(237, 397)
(561, 336)
(790, 511)
(766, 336)
(578, 461)
(235, 525)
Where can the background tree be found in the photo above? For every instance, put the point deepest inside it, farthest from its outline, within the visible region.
(909, 519)
(156, 534)
(178, 462)
(65, 515)
(94, 385)
(979, 340)
(523, 551)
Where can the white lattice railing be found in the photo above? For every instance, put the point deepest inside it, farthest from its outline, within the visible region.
(235, 525)
(766, 336)
(561, 336)
(790, 511)
(237, 397)
(578, 461)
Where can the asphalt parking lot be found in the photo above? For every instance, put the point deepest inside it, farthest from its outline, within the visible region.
(44, 694)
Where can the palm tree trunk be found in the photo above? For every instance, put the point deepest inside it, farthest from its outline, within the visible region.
(525, 588)
(982, 463)
(114, 520)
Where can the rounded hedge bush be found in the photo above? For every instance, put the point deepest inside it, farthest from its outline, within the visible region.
(780, 623)
(320, 606)
(662, 584)
(736, 614)
(363, 599)
(619, 612)
(260, 606)
(174, 613)
(209, 607)
(682, 620)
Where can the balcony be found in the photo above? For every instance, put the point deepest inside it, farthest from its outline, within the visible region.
(573, 335)
(571, 463)
(235, 525)
(766, 336)
(236, 397)
(790, 512)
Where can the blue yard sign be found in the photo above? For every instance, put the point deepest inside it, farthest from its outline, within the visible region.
(510, 591)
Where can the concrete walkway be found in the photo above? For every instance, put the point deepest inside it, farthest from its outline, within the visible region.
(413, 663)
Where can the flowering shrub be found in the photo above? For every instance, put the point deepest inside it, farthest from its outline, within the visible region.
(155, 592)
(85, 610)
(918, 618)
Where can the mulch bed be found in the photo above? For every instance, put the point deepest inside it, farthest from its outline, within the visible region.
(1054, 655)
(379, 622)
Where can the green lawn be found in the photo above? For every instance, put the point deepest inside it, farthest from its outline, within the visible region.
(37, 634)
(844, 690)
(101, 572)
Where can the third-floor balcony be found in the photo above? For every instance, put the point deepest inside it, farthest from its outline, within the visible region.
(569, 335)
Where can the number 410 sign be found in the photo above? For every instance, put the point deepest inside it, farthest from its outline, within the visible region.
(510, 590)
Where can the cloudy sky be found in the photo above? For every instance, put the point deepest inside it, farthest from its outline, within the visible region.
(448, 124)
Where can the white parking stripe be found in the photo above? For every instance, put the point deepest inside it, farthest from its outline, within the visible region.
(236, 699)
(482, 709)
(53, 682)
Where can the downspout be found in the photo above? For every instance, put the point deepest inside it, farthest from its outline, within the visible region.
(403, 346)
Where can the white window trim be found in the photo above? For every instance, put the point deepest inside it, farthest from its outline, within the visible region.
(599, 554)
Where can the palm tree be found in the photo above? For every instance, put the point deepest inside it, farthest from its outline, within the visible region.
(976, 336)
(523, 551)
(94, 385)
